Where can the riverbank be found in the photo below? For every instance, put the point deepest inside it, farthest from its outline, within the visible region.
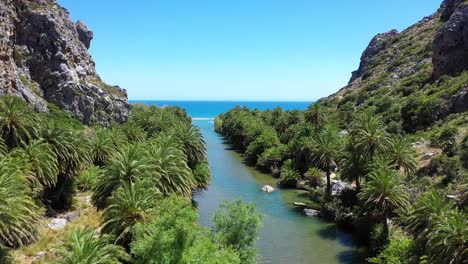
(288, 236)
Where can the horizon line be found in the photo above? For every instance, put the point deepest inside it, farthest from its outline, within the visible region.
(206, 100)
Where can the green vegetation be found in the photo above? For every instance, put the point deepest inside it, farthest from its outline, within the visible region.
(140, 176)
(387, 171)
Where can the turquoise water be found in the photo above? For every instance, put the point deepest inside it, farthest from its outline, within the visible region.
(287, 237)
(214, 108)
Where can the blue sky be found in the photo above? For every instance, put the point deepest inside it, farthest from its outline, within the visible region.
(236, 49)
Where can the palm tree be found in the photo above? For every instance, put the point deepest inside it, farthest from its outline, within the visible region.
(73, 153)
(192, 142)
(130, 204)
(202, 174)
(170, 163)
(402, 155)
(18, 211)
(87, 178)
(133, 132)
(353, 166)
(426, 211)
(128, 165)
(448, 241)
(385, 192)
(18, 124)
(288, 175)
(102, 146)
(316, 115)
(325, 152)
(41, 163)
(369, 134)
(117, 136)
(86, 246)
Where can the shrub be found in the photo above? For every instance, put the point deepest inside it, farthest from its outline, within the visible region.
(398, 251)
(446, 139)
(171, 236)
(87, 179)
(288, 175)
(237, 226)
(314, 176)
(464, 152)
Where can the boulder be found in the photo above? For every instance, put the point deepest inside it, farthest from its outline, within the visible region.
(460, 103)
(84, 33)
(337, 187)
(57, 223)
(40, 256)
(267, 189)
(72, 216)
(311, 212)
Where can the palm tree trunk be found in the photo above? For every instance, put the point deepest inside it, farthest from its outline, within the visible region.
(358, 184)
(385, 226)
(371, 152)
(328, 181)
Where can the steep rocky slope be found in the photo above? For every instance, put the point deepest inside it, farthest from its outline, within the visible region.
(414, 77)
(44, 58)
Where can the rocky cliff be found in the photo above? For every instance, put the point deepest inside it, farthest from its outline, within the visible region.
(44, 58)
(414, 77)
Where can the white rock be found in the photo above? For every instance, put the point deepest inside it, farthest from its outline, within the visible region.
(429, 155)
(311, 212)
(337, 187)
(267, 188)
(57, 223)
(40, 256)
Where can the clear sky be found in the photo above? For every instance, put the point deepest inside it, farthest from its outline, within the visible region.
(236, 49)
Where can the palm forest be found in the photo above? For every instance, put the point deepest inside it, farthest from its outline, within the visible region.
(404, 197)
(131, 183)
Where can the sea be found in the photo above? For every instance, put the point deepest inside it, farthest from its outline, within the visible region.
(211, 109)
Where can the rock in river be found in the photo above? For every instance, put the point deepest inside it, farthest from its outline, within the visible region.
(311, 212)
(267, 188)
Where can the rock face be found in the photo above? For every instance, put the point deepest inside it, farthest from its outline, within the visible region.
(448, 7)
(44, 58)
(450, 47)
(401, 68)
(84, 33)
(375, 46)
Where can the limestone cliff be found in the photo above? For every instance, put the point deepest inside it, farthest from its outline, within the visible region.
(417, 76)
(44, 58)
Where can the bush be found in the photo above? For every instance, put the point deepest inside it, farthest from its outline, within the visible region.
(314, 177)
(398, 251)
(237, 226)
(449, 167)
(446, 139)
(87, 179)
(172, 236)
(289, 175)
(464, 152)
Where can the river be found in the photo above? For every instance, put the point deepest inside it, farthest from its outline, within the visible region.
(287, 237)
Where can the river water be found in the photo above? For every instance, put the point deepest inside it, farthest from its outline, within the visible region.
(287, 236)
